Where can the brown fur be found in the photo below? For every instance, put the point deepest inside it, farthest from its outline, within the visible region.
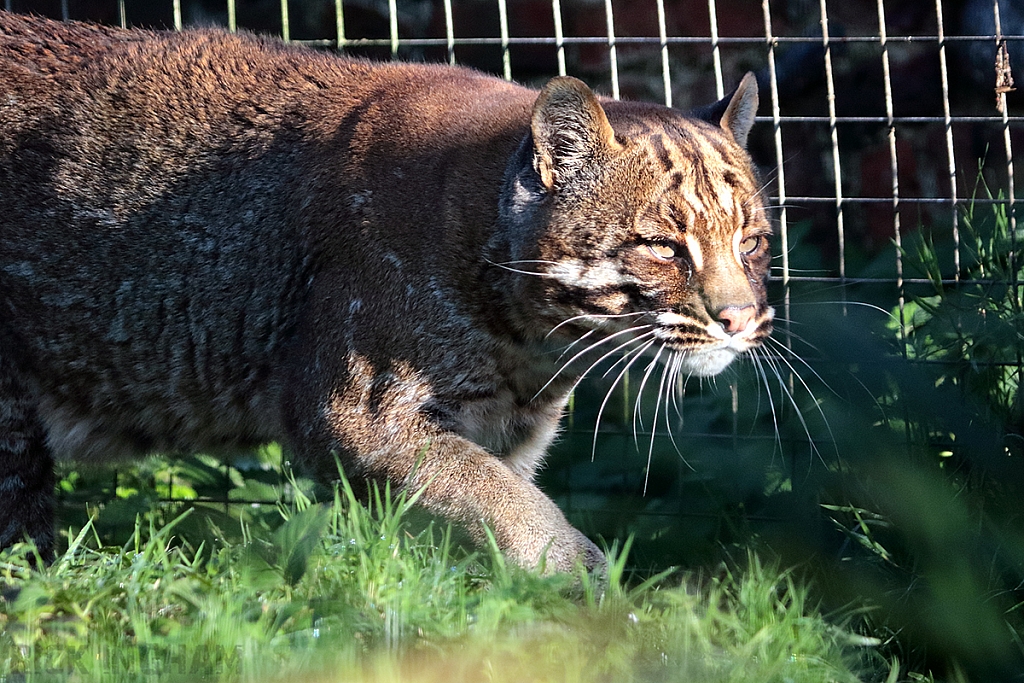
(210, 241)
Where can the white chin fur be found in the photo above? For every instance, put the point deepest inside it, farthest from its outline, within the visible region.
(707, 363)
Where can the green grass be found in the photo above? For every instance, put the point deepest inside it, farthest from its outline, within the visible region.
(346, 592)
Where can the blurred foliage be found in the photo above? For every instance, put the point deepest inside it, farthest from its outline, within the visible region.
(974, 326)
(954, 498)
(347, 592)
(246, 488)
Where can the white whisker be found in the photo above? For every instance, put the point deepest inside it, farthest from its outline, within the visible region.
(680, 392)
(586, 316)
(814, 399)
(654, 425)
(865, 304)
(792, 401)
(520, 272)
(587, 350)
(569, 347)
(786, 350)
(640, 391)
(507, 263)
(597, 423)
(756, 361)
(671, 390)
(612, 367)
(610, 353)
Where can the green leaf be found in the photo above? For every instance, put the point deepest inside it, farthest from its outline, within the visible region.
(297, 538)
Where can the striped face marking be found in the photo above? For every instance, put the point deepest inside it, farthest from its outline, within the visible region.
(710, 207)
(664, 239)
(737, 239)
(693, 247)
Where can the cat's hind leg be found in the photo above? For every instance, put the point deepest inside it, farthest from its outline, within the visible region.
(26, 467)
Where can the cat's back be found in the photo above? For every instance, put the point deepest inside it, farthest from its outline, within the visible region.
(150, 249)
(31, 46)
(98, 71)
(163, 194)
(203, 71)
(112, 119)
(34, 47)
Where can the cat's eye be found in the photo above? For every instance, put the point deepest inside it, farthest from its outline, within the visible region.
(750, 245)
(662, 250)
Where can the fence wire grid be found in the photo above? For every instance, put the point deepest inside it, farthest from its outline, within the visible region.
(883, 126)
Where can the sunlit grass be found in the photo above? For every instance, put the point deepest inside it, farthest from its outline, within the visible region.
(346, 592)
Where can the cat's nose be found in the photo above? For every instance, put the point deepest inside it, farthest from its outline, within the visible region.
(736, 318)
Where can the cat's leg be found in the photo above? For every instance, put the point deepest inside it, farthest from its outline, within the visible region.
(467, 485)
(376, 411)
(26, 467)
(458, 481)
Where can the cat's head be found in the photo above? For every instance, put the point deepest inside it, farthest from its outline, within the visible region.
(641, 225)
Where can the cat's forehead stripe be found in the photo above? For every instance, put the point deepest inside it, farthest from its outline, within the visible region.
(701, 193)
(661, 151)
(701, 157)
(694, 248)
(705, 174)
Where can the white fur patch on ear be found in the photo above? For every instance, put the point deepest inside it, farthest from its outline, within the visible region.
(738, 118)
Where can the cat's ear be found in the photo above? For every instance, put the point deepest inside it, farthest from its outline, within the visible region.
(736, 111)
(570, 130)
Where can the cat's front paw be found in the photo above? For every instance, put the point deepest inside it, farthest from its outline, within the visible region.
(563, 552)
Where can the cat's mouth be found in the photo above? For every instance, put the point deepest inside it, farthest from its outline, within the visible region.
(693, 346)
(707, 348)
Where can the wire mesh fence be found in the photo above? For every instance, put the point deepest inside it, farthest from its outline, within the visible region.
(889, 133)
